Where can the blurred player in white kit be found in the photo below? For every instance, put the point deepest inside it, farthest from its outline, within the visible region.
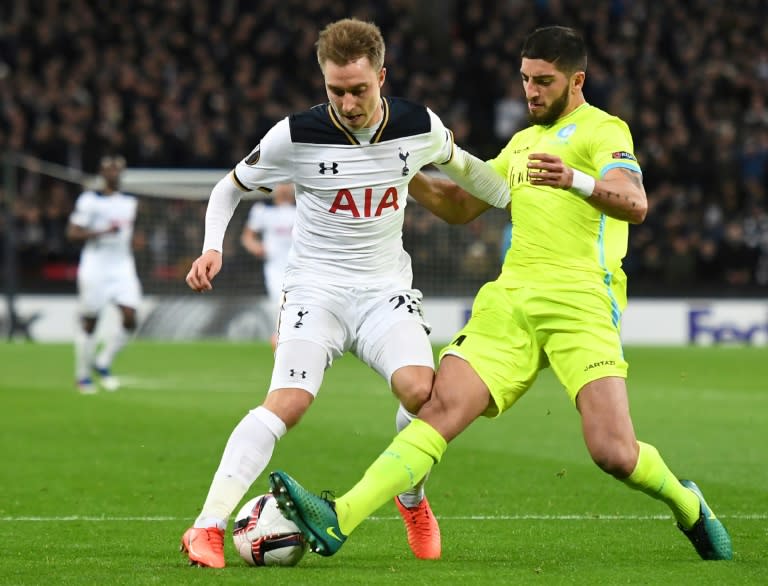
(267, 235)
(103, 219)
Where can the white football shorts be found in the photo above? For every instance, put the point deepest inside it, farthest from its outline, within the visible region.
(95, 292)
(385, 330)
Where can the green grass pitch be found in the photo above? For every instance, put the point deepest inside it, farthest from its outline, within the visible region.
(98, 489)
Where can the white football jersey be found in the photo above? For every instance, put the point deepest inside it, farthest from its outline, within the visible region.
(350, 197)
(275, 224)
(109, 253)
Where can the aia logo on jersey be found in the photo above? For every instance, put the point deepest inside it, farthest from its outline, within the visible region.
(365, 205)
(332, 168)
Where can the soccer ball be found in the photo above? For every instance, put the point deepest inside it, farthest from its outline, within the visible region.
(263, 537)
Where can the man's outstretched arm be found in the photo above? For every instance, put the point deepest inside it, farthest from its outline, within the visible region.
(445, 199)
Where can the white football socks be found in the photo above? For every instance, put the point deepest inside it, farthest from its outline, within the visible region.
(85, 346)
(245, 456)
(112, 346)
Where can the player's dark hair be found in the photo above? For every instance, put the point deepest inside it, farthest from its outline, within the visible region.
(349, 39)
(560, 45)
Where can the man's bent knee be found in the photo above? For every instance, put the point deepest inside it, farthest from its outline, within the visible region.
(616, 458)
(129, 317)
(289, 404)
(413, 385)
(89, 324)
(458, 397)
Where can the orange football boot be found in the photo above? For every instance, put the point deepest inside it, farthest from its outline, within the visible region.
(204, 546)
(422, 529)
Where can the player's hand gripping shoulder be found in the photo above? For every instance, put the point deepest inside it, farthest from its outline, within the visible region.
(619, 194)
(203, 270)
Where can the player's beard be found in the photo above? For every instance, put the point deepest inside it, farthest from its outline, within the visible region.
(551, 114)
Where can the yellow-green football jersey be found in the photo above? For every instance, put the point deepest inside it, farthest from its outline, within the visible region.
(559, 239)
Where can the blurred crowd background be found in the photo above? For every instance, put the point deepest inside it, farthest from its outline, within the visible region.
(187, 84)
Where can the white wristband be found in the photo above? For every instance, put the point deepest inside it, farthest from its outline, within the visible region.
(583, 184)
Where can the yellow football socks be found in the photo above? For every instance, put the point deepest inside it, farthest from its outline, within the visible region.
(401, 466)
(652, 477)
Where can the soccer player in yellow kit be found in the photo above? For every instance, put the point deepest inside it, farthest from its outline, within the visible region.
(575, 185)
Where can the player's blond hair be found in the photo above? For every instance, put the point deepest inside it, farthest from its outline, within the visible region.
(349, 39)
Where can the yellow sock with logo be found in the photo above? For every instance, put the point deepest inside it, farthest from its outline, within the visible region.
(401, 466)
(652, 477)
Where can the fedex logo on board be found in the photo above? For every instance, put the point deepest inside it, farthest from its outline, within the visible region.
(708, 327)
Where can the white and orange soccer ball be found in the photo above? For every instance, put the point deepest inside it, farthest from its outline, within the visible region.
(263, 537)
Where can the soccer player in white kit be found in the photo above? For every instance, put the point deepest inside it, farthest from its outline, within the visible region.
(106, 273)
(267, 234)
(348, 283)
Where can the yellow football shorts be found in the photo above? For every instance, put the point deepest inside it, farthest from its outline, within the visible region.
(513, 333)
